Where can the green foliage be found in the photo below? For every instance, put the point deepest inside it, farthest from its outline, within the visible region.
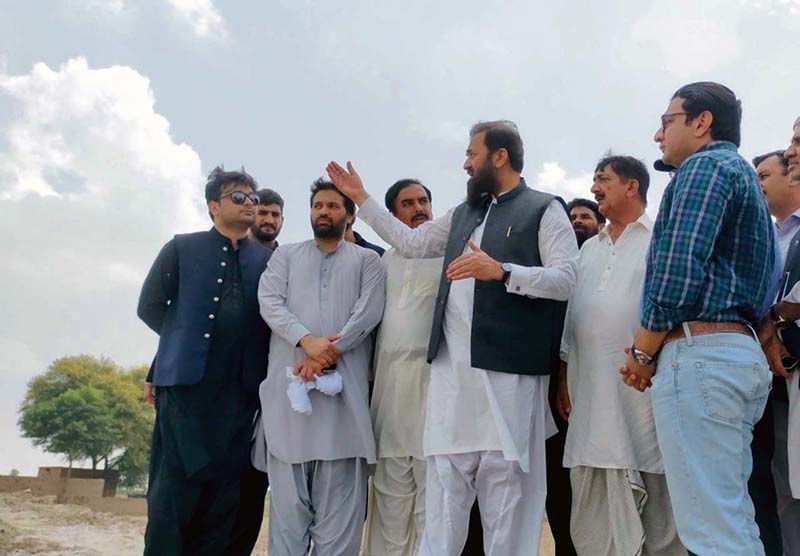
(90, 409)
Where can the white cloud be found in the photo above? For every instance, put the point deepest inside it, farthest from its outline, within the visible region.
(202, 15)
(552, 178)
(91, 185)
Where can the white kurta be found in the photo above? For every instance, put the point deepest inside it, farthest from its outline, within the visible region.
(611, 425)
(459, 395)
(401, 369)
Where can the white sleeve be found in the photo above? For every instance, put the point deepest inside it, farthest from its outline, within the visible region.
(557, 276)
(426, 241)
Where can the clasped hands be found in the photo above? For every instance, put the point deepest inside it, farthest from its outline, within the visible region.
(321, 353)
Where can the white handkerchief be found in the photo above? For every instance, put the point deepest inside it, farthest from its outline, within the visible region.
(297, 392)
(330, 384)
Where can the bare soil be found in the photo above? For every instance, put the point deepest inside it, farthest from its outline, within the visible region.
(36, 525)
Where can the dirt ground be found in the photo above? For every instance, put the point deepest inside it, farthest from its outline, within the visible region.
(31, 525)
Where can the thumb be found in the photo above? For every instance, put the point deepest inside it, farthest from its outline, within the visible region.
(351, 168)
(474, 247)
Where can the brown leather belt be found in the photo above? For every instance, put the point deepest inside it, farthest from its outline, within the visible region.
(698, 328)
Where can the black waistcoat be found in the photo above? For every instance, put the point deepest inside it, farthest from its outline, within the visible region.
(510, 333)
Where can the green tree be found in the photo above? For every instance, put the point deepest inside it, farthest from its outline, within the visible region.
(90, 409)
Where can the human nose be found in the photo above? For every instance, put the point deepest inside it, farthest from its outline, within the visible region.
(659, 135)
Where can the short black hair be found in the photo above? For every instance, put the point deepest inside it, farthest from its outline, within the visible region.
(322, 185)
(269, 197)
(391, 194)
(502, 134)
(718, 99)
(586, 203)
(629, 168)
(219, 179)
(762, 157)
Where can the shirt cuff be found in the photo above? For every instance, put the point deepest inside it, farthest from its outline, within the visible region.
(517, 281)
(296, 333)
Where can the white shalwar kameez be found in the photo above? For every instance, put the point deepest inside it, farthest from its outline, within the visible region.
(396, 514)
(485, 431)
(620, 504)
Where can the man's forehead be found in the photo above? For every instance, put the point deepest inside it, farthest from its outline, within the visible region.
(606, 170)
(581, 210)
(274, 207)
(769, 163)
(476, 141)
(328, 196)
(411, 190)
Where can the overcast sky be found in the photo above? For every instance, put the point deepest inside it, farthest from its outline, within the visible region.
(113, 111)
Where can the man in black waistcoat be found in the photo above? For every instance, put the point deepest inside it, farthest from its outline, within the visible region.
(510, 263)
(200, 298)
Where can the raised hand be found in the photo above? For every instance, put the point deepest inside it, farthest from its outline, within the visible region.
(476, 264)
(347, 181)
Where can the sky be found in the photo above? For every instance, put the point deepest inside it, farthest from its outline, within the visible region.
(112, 112)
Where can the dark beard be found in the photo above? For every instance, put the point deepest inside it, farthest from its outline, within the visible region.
(334, 230)
(263, 236)
(484, 181)
(581, 236)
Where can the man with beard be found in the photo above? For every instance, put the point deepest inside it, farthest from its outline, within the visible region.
(322, 298)
(200, 298)
(620, 504)
(397, 512)
(586, 219)
(269, 218)
(510, 265)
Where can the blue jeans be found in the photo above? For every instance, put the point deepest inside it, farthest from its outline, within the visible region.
(707, 393)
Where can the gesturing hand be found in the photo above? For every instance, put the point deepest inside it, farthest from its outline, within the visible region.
(476, 264)
(320, 348)
(347, 181)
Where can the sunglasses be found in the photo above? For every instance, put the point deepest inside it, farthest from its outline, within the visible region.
(239, 197)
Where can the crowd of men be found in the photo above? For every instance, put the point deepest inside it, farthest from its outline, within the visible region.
(632, 378)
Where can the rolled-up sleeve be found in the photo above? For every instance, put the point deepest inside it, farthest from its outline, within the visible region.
(680, 249)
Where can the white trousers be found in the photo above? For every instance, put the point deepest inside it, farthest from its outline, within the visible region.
(512, 503)
(397, 508)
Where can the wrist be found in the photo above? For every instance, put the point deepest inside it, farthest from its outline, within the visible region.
(360, 198)
(504, 272)
(642, 357)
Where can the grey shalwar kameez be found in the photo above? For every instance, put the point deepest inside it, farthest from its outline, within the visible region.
(317, 462)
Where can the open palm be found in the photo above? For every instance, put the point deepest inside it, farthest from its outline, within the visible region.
(347, 181)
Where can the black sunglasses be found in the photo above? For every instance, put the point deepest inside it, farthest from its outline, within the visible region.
(238, 197)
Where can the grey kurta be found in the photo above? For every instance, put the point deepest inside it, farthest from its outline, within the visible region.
(307, 291)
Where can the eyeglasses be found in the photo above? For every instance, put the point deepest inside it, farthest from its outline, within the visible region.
(665, 122)
(239, 197)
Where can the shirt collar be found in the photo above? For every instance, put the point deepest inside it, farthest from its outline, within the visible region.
(792, 217)
(645, 221)
(715, 145)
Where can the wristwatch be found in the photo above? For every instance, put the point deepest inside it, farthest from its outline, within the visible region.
(506, 272)
(641, 357)
(776, 319)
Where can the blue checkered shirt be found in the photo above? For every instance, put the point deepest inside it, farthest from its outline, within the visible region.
(712, 254)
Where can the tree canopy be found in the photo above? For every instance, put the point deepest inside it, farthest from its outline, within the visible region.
(89, 408)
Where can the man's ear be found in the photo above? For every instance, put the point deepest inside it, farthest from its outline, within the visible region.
(499, 157)
(213, 208)
(633, 187)
(702, 123)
